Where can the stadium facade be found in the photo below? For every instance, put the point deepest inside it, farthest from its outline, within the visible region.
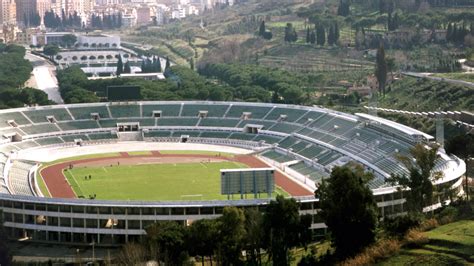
(304, 142)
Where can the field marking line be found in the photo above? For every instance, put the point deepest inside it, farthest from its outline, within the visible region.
(75, 180)
(105, 169)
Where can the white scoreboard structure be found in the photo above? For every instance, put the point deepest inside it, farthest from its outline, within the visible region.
(247, 181)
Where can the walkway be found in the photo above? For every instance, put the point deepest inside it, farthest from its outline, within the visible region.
(45, 77)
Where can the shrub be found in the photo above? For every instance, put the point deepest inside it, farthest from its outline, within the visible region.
(415, 238)
(448, 215)
(381, 250)
(399, 225)
(428, 225)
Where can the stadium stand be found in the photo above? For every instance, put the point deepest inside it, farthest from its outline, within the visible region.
(74, 125)
(215, 110)
(40, 128)
(218, 122)
(118, 111)
(49, 141)
(19, 179)
(271, 154)
(18, 117)
(258, 112)
(40, 115)
(86, 111)
(166, 109)
(177, 121)
(291, 114)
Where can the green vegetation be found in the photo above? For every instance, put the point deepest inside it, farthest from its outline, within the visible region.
(449, 244)
(460, 76)
(139, 153)
(225, 154)
(15, 71)
(352, 222)
(42, 185)
(190, 181)
(225, 239)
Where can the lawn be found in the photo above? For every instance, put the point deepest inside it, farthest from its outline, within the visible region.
(450, 244)
(183, 181)
(224, 154)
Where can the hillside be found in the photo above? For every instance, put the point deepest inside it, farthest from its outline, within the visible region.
(450, 244)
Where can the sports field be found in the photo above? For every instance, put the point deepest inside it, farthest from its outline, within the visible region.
(180, 181)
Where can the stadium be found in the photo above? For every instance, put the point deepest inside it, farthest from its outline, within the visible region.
(103, 172)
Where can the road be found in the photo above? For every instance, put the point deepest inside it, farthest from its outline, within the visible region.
(45, 77)
(427, 75)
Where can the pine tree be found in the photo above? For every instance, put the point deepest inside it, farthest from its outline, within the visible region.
(119, 66)
(381, 68)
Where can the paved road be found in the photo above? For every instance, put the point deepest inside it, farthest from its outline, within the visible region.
(45, 77)
(427, 75)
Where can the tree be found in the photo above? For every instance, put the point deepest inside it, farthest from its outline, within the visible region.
(168, 239)
(127, 69)
(320, 35)
(167, 64)
(344, 8)
(419, 180)
(231, 227)
(462, 146)
(261, 30)
(119, 66)
(69, 39)
(312, 37)
(381, 68)
(254, 235)
(51, 50)
(203, 237)
(308, 35)
(284, 229)
(191, 63)
(348, 209)
(331, 35)
(290, 33)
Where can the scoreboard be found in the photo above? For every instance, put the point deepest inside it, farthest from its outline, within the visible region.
(247, 181)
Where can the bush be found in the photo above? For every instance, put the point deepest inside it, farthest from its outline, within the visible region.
(381, 250)
(399, 225)
(415, 238)
(428, 225)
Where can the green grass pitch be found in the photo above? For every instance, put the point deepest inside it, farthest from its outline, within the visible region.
(148, 182)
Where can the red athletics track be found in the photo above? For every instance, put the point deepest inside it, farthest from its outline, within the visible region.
(59, 187)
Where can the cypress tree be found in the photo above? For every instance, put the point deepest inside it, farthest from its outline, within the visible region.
(168, 64)
(381, 68)
(127, 68)
(320, 35)
(262, 29)
(336, 32)
(331, 35)
(119, 66)
(449, 32)
(312, 38)
(308, 35)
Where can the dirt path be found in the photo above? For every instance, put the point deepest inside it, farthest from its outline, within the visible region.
(60, 188)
